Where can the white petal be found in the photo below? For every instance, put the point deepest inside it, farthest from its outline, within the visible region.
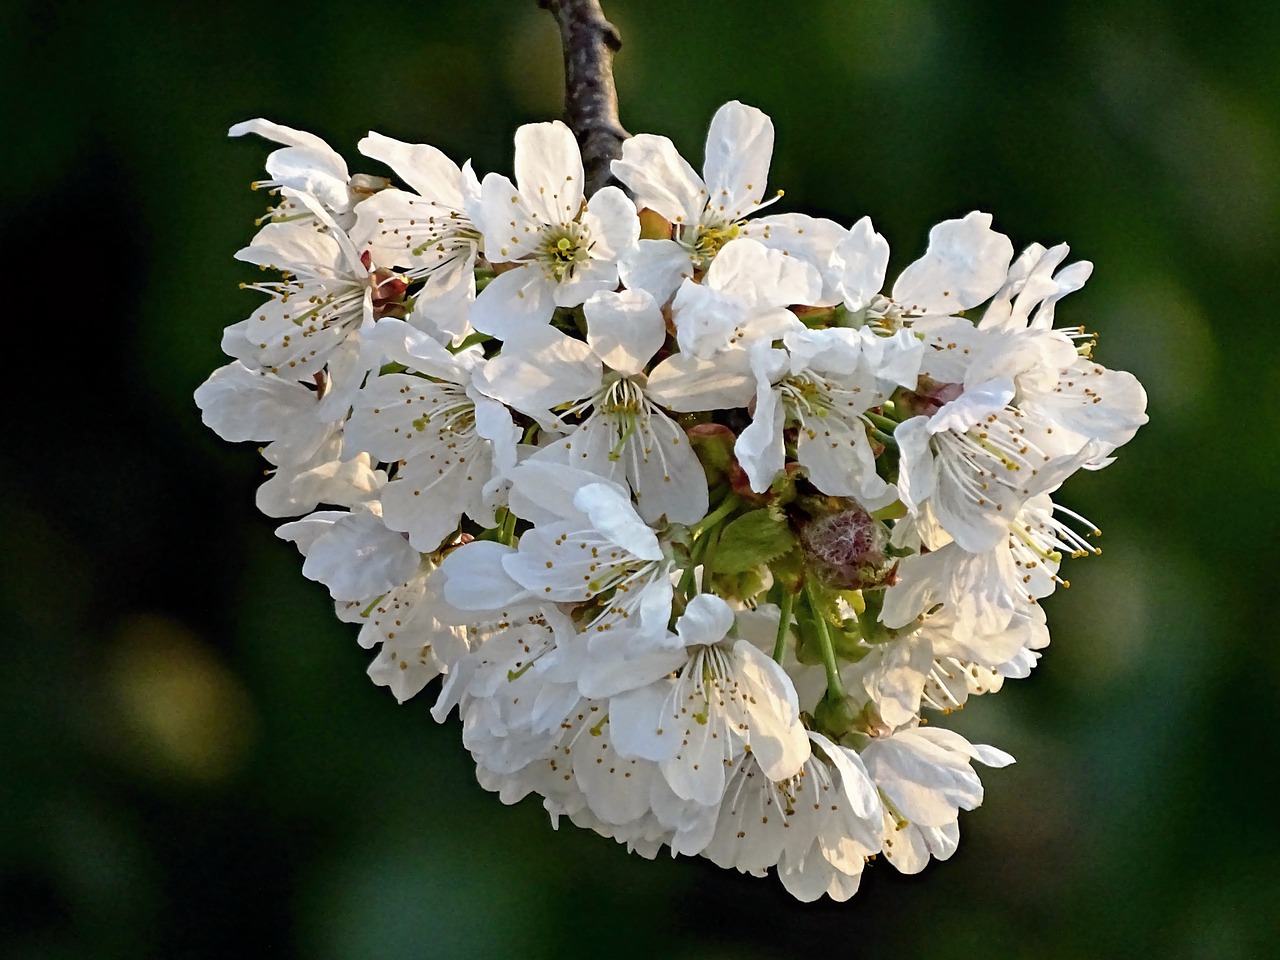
(839, 458)
(428, 171)
(637, 719)
(280, 134)
(322, 175)
(688, 384)
(358, 557)
(587, 278)
(859, 264)
(548, 169)
(991, 756)
(624, 329)
(239, 403)
(973, 406)
(762, 277)
(660, 178)
(759, 448)
(539, 368)
(966, 263)
(611, 221)
(811, 239)
(916, 474)
(543, 493)
(402, 342)
(512, 228)
(778, 741)
(614, 516)
(295, 247)
(706, 620)
(664, 471)
(475, 580)
(656, 266)
(513, 300)
(739, 149)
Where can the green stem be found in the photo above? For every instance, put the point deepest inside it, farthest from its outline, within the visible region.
(709, 556)
(886, 438)
(688, 580)
(784, 625)
(730, 503)
(835, 689)
(884, 423)
(509, 529)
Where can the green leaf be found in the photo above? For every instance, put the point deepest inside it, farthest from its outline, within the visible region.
(752, 539)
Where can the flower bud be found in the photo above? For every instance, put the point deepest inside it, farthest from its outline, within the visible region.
(848, 550)
(713, 444)
(927, 399)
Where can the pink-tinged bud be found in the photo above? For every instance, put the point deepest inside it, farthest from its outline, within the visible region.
(389, 289)
(927, 399)
(847, 550)
(713, 444)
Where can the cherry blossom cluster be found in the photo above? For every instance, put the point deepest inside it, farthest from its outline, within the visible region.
(701, 521)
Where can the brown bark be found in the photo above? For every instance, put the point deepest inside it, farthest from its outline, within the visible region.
(590, 98)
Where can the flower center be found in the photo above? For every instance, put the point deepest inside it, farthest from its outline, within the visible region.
(804, 396)
(562, 247)
(706, 239)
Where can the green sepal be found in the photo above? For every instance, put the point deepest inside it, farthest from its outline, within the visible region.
(855, 599)
(836, 716)
(894, 511)
(873, 631)
(783, 489)
(755, 538)
(713, 445)
(745, 586)
(846, 641)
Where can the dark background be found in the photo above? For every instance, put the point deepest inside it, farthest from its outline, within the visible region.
(192, 762)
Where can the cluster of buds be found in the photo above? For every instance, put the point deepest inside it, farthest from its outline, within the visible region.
(697, 518)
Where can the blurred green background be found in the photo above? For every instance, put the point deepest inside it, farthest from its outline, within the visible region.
(192, 762)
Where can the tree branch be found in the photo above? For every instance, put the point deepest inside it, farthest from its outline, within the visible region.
(590, 98)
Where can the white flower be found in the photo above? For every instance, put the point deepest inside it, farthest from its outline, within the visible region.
(564, 251)
(427, 232)
(985, 590)
(816, 827)
(298, 486)
(599, 548)
(1026, 413)
(743, 298)
(726, 698)
(241, 403)
(401, 625)
(625, 437)
(353, 553)
(925, 777)
(901, 674)
(450, 444)
(978, 460)
(307, 165)
(320, 313)
(706, 214)
(823, 384)
(512, 711)
(965, 264)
